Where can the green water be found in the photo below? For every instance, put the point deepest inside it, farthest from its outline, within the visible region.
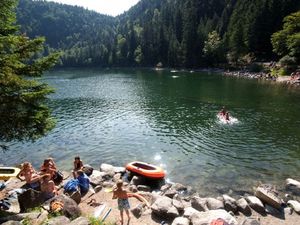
(169, 119)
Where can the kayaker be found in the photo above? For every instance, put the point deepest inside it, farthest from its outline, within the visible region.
(123, 203)
(48, 187)
(78, 165)
(30, 176)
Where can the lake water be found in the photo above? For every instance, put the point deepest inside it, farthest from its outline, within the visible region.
(169, 119)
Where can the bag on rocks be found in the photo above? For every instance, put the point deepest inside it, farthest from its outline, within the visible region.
(71, 186)
(219, 222)
(58, 177)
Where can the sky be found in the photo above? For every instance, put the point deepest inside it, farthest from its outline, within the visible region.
(108, 7)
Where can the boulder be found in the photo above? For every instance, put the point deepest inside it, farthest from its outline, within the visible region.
(30, 199)
(58, 220)
(294, 205)
(177, 202)
(256, 204)
(171, 192)
(205, 218)
(230, 204)
(137, 180)
(96, 178)
(249, 221)
(165, 187)
(163, 208)
(199, 203)
(116, 177)
(293, 185)
(268, 195)
(87, 169)
(144, 188)
(181, 221)
(120, 170)
(80, 221)
(70, 208)
(213, 204)
(34, 216)
(179, 187)
(189, 211)
(107, 168)
(137, 211)
(243, 206)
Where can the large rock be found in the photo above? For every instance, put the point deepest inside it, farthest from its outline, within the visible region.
(70, 208)
(205, 218)
(88, 170)
(164, 208)
(181, 221)
(199, 203)
(171, 192)
(30, 199)
(189, 211)
(293, 185)
(243, 206)
(179, 187)
(214, 204)
(230, 204)
(11, 222)
(249, 221)
(137, 211)
(37, 217)
(121, 170)
(256, 204)
(107, 169)
(295, 205)
(177, 202)
(80, 221)
(58, 220)
(96, 178)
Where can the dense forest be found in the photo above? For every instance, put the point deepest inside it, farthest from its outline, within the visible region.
(177, 33)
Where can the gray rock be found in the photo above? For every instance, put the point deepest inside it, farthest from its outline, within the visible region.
(58, 220)
(80, 221)
(181, 221)
(133, 188)
(288, 211)
(230, 204)
(256, 204)
(179, 187)
(249, 221)
(205, 218)
(214, 204)
(177, 202)
(189, 211)
(108, 184)
(87, 169)
(293, 185)
(199, 203)
(70, 209)
(243, 206)
(163, 208)
(30, 199)
(96, 178)
(171, 192)
(165, 187)
(11, 222)
(137, 211)
(34, 216)
(116, 177)
(121, 170)
(137, 180)
(107, 168)
(295, 205)
(144, 188)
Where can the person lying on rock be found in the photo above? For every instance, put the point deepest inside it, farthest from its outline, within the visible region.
(30, 176)
(49, 167)
(48, 187)
(123, 203)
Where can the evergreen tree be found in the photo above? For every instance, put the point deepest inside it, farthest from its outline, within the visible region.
(23, 113)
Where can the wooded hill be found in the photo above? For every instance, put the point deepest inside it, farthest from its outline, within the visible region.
(177, 33)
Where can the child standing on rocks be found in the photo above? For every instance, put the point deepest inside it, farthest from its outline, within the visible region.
(123, 203)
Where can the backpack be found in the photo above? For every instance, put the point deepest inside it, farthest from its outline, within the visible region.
(71, 186)
(219, 222)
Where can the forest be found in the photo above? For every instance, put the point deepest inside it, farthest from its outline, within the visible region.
(174, 33)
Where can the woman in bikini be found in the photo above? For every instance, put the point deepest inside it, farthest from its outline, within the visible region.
(30, 176)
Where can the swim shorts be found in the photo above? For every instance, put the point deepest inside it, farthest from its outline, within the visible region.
(123, 203)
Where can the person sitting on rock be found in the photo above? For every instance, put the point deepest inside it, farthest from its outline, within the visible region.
(30, 176)
(83, 182)
(48, 187)
(49, 167)
(78, 165)
(123, 203)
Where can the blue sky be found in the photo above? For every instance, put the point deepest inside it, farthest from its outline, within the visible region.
(109, 7)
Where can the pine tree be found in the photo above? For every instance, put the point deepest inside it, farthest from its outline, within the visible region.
(23, 113)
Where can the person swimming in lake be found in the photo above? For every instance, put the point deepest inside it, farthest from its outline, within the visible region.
(123, 203)
(227, 118)
(30, 176)
(223, 111)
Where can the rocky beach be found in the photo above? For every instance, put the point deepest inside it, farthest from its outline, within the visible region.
(169, 203)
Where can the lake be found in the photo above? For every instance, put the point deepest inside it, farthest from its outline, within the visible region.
(169, 119)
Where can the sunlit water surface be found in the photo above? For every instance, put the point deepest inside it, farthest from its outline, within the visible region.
(170, 119)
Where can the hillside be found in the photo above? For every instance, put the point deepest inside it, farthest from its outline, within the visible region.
(189, 33)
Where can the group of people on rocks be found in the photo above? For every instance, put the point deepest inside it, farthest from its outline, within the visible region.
(46, 179)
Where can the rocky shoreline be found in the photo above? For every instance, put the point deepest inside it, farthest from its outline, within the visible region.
(173, 204)
(265, 76)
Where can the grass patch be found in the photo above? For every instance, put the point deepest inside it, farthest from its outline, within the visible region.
(96, 221)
